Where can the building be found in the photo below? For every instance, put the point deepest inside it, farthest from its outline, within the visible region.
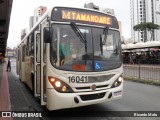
(38, 12)
(120, 27)
(144, 11)
(105, 10)
(109, 11)
(24, 33)
(9, 52)
(31, 22)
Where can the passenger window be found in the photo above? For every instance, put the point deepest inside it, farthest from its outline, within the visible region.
(23, 53)
(38, 47)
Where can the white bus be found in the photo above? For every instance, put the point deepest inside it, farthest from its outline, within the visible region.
(72, 57)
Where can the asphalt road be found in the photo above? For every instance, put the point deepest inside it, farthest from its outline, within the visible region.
(136, 97)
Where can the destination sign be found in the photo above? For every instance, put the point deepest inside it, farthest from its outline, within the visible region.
(84, 16)
(81, 16)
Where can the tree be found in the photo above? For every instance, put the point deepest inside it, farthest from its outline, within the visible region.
(149, 26)
(141, 27)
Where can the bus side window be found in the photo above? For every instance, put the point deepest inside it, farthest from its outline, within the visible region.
(27, 47)
(31, 44)
(18, 55)
(38, 47)
(23, 53)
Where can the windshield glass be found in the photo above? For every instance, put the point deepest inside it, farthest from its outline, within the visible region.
(70, 52)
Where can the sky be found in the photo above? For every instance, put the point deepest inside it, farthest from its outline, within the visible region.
(23, 9)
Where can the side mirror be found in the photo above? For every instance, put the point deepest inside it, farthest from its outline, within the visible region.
(46, 35)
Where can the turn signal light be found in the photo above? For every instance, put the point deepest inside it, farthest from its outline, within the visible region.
(52, 79)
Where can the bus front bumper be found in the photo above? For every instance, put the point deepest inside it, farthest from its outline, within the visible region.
(56, 100)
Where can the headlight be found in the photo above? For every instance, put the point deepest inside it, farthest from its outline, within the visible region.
(117, 82)
(59, 85)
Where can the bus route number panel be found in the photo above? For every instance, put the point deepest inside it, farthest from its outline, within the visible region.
(84, 17)
(78, 79)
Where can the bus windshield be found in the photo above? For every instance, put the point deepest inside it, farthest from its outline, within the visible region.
(69, 52)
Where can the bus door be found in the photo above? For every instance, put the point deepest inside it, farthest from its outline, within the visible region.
(22, 62)
(43, 66)
(37, 65)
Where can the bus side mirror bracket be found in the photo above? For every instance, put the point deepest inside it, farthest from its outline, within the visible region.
(46, 35)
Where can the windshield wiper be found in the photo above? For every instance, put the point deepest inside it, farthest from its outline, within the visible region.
(103, 38)
(81, 36)
(78, 32)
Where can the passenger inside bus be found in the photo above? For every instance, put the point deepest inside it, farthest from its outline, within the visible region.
(64, 48)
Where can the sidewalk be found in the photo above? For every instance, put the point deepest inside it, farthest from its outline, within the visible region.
(4, 91)
(14, 96)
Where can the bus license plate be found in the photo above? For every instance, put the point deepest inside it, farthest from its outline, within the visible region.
(78, 79)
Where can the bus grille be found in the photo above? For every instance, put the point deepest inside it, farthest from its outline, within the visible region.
(94, 79)
(89, 87)
(92, 96)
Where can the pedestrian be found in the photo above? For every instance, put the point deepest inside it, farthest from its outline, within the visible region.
(9, 65)
(131, 58)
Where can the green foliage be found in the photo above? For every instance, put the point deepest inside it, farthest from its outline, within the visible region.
(146, 26)
(152, 26)
(140, 27)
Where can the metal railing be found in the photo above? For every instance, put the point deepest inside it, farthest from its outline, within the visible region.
(142, 70)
